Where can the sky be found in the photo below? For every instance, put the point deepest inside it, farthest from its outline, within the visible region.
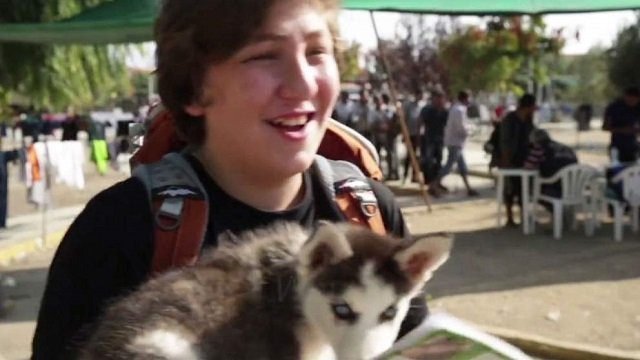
(594, 29)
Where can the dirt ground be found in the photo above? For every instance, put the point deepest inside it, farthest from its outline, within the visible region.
(577, 289)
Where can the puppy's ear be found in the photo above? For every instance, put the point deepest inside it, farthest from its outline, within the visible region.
(424, 256)
(326, 246)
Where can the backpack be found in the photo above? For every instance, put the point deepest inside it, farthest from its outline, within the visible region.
(492, 146)
(179, 202)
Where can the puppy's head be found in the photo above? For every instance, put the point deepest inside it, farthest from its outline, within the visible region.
(355, 285)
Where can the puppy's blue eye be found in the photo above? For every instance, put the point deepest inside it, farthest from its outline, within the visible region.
(343, 311)
(389, 313)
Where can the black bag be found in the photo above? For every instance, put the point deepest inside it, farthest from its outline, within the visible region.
(492, 146)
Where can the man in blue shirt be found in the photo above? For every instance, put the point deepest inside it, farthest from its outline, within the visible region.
(622, 119)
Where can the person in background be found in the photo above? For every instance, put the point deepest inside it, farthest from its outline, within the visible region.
(71, 125)
(583, 116)
(391, 130)
(343, 109)
(622, 120)
(412, 112)
(514, 131)
(455, 138)
(379, 131)
(548, 157)
(360, 117)
(434, 119)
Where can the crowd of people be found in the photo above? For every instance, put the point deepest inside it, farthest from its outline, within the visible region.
(432, 125)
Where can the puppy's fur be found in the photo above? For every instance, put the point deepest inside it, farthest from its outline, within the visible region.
(340, 292)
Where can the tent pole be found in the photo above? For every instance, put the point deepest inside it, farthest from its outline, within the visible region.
(403, 124)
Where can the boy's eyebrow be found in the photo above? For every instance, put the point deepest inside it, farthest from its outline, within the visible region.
(262, 37)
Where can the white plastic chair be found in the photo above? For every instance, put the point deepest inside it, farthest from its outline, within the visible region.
(630, 179)
(575, 181)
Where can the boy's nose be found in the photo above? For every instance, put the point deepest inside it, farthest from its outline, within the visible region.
(299, 81)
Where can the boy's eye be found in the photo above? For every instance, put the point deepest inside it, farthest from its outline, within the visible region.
(389, 313)
(317, 51)
(260, 57)
(343, 311)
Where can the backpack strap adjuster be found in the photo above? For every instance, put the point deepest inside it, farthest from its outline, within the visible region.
(170, 208)
(368, 202)
(361, 192)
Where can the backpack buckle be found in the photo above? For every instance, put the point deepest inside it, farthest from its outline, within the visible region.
(368, 202)
(171, 208)
(362, 193)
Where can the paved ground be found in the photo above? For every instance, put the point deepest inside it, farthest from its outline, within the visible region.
(577, 289)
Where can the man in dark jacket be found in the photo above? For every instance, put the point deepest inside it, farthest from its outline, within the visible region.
(622, 119)
(434, 119)
(514, 145)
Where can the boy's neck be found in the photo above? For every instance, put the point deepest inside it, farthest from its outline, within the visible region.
(256, 191)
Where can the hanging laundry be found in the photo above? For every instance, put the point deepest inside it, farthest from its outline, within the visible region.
(57, 162)
(100, 155)
(38, 194)
(34, 169)
(67, 160)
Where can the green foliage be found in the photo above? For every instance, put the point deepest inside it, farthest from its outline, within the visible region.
(58, 76)
(348, 63)
(584, 78)
(623, 57)
(481, 61)
(501, 57)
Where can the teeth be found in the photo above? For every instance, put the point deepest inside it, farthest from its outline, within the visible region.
(290, 121)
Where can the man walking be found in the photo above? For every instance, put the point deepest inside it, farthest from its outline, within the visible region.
(455, 137)
(434, 118)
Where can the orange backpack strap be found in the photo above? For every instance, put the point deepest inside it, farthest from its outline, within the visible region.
(180, 209)
(351, 192)
(340, 142)
(159, 137)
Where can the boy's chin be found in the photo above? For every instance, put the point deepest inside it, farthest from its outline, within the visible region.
(300, 163)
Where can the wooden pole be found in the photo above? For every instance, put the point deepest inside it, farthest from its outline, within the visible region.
(403, 124)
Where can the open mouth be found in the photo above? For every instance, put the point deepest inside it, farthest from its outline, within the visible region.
(292, 123)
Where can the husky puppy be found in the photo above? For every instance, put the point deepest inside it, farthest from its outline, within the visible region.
(339, 292)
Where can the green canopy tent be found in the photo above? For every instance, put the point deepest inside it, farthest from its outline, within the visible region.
(130, 21)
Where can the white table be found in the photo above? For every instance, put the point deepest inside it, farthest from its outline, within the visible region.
(527, 176)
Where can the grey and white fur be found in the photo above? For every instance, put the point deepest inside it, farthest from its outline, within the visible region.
(281, 292)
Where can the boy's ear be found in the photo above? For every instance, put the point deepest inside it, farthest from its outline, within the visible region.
(424, 256)
(326, 246)
(194, 109)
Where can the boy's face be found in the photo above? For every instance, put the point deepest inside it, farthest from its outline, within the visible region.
(266, 108)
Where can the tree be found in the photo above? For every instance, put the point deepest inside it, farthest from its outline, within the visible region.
(502, 56)
(349, 63)
(584, 78)
(623, 56)
(412, 57)
(56, 76)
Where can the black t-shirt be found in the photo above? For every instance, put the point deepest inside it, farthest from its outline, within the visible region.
(70, 129)
(620, 115)
(434, 120)
(514, 137)
(107, 252)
